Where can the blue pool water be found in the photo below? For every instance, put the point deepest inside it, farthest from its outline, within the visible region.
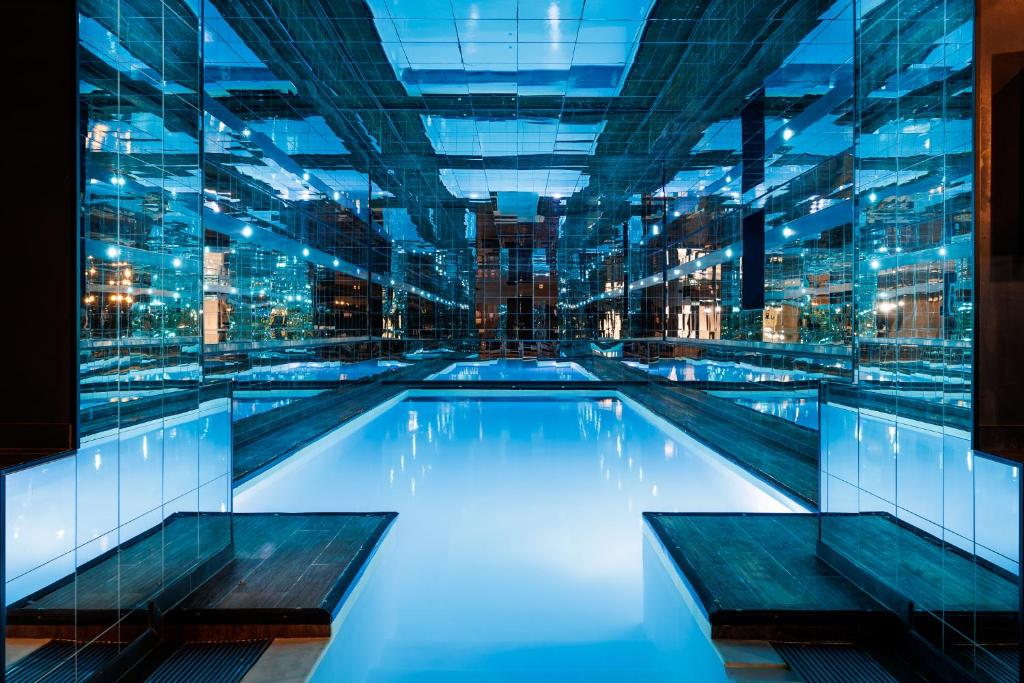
(716, 371)
(518, 552)
(508, 369)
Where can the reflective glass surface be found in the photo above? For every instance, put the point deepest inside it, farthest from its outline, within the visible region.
(764, 207)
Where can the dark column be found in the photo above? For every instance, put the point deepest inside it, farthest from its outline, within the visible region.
(752, 271)
(625, 279)
(752, 130)
(40, 342)
(999, 238)
(999, 248)
(368, 284)
(664, 255)
(41, 280)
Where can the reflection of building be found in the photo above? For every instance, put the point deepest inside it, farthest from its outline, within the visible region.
(516, 277)
(813, 201)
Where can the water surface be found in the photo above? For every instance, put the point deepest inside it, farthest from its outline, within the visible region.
(518, 551)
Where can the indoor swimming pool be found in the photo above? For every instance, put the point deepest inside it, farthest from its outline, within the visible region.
(718, 371)
(514, 370)
(519, 549)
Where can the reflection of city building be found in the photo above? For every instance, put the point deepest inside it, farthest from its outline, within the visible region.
(794, 223)
(516, 277)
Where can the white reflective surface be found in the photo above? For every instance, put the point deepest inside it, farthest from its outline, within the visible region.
(517, 553)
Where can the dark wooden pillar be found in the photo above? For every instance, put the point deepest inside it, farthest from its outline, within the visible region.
(38, 43)
(752, 266)
(999, 226)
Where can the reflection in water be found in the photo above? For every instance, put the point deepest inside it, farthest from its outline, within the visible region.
(517, 553)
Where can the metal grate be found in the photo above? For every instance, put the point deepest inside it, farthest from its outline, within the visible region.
(209, 662)
(57, 661)
(833, 664)
(997, 663)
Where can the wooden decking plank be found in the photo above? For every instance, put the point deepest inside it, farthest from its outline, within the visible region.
(758, 576)
(935, 577)
(288, 576)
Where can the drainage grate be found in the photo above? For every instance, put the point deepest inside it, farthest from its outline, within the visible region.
(56, 662)
(833, 664)
(209, 662)
(998, 663)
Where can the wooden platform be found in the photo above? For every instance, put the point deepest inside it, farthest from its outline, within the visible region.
(910, 567)
(289, 577)
(116, 586)
(758, 577)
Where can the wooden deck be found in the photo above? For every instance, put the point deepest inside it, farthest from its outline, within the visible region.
(914, 572)
(289, 576)
(758, 577)
(117, 586)
(60, 661)
(764, 576)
